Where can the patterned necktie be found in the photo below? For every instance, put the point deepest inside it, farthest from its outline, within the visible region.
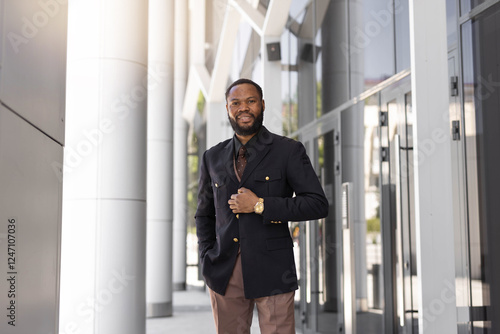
(241, 162)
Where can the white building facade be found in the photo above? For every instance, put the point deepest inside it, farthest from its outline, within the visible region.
(106, 107)
(394, 98)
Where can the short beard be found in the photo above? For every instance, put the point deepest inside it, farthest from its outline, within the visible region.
(254, 128)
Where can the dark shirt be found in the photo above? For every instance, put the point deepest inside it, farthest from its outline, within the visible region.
(237, 144)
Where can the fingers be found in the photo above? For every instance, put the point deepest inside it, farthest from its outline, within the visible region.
(242, 202)
(233, 205)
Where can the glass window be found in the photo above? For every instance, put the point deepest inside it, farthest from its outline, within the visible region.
(481, 87)
(316, 58)
(290, 105)
(306, 32)
(451, 22)
(402, 18)
(243, 48)
(328, 275)
(289, 86)
(467, 5)
(298, 10)
(334, 56)
(289, 83)
(374, 277)
(371, 41)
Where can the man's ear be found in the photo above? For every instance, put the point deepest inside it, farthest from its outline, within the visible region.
(227, 108)
(263, 105)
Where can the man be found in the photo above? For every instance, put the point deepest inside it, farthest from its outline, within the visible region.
(245, 201)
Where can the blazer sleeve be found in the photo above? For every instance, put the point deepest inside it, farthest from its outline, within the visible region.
(309, 202)
(205, 213)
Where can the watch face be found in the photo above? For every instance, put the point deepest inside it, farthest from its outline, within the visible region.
(259, 207)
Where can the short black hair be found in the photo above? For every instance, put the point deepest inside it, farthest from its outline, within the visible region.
(244, 81)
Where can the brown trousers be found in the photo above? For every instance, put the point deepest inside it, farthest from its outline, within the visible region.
(233, 312)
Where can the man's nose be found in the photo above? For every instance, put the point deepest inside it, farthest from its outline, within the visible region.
(244, 106)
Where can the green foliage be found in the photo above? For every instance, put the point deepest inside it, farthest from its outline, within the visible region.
(290, 116)
(319, 101)
(373, 225)
(200, 105)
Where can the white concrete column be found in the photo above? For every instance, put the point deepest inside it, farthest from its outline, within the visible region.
(197, 32)
(104, 205)
(353, 155)
(352, 171)
(432, 161)
(160, 159)
(180, 147)
(218, 127)
(271, 86)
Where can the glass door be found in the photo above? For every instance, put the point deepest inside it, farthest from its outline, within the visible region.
(479, 304)
(398, 215)
(390, 253)
(320, 256)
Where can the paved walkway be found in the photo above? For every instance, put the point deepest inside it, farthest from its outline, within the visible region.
(192, 315)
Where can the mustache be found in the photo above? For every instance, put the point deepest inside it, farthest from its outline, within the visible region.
(244, 114)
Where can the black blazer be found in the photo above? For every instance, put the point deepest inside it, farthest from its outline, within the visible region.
(277, 168)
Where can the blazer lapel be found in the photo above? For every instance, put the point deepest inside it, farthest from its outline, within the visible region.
(258, 152)
(227, 156)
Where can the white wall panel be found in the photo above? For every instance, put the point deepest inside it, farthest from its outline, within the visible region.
(30, 193)
(33, 68)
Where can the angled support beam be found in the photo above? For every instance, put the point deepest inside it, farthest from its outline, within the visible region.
(203, 78)
(250, 14)
(276, 17)
(199, 80)
(251, 56)
(224, 55)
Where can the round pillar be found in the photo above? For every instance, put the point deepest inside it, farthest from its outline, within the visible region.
(104, 204)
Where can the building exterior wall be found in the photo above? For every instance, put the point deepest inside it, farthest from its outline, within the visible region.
(360, 82)
(32, 124)
(344, 58)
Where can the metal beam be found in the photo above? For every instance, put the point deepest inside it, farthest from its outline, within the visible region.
(250, 14)
(199, 80)
(224, 55)
(276, 17)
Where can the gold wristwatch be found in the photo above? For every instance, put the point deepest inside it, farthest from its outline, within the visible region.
(259, 206)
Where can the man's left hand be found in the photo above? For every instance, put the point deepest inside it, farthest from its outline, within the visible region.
(243, 202)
